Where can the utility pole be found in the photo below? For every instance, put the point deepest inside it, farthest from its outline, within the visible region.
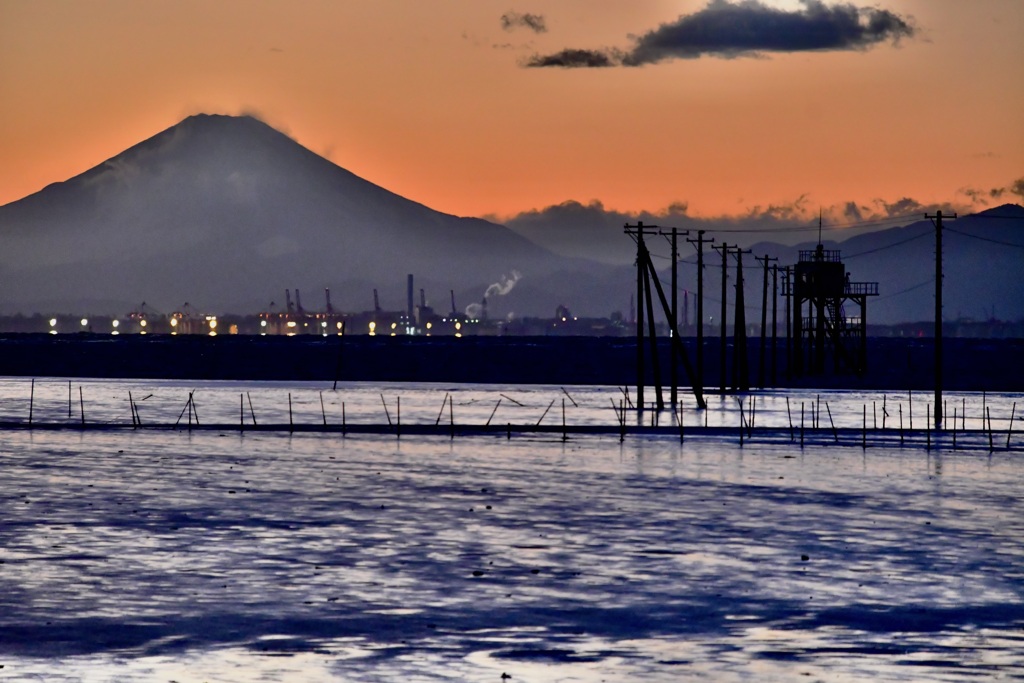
(639, 316)
(937, 220)
(674, 234)
(645, 277)
(700, 303)
(740, 364)
(787, 291)
(764, 315)
(722, 345)
(775, 324)
(643, 300)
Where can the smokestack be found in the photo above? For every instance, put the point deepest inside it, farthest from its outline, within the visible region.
(409, 297)
(298, 302)
(483, 309)
(288, 301)
(455, 311)
(327, 294)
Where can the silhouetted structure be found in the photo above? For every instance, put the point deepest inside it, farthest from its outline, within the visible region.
(820, 289)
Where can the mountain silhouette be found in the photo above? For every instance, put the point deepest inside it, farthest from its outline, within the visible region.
(225, 212)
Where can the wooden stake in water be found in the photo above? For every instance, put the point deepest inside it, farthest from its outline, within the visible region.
(910, 410)
(574, 404)
(323, 412)
(565, 436)
(885, 413)
(496, 410)
(241, 411)
(441, 412)
(131, 408)
(31, 401)
(801, 424)
(251, 411)
(81, 403)
(344, 422)
(290, 423)
(742, 420)
(790, 414)
(988, 414)
(901, 424)
(69, 399)
(545, 412)
(864, 433)
(398, 417)
(451, 416)
(874, 415)
(834, 432)
(928, 425)
(954, 428)
(622, 420)
(681, 435)
(386, 413)
(1009, 431)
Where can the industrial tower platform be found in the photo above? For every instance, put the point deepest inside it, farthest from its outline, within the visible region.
(820, 288)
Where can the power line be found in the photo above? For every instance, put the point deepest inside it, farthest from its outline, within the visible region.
(908, 289)
(888, 246)
(987, 239)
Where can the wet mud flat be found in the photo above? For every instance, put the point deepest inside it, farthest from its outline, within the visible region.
(137, 556)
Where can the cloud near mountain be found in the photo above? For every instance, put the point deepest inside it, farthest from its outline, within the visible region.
(593, 231)
(745, 28)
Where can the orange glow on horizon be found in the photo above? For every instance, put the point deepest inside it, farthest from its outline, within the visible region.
(434, 105)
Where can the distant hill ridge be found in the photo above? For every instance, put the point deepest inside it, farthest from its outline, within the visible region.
(226, 212)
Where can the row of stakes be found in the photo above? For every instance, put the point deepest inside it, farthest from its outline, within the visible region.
(747, 413)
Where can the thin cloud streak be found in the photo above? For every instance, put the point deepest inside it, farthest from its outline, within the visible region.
(747, 28)
(510, 21)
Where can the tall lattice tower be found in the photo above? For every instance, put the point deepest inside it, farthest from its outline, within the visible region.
(822, 325)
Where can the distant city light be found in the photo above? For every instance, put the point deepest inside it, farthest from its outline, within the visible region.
(53, 322)
(85, 321)
(116, 323)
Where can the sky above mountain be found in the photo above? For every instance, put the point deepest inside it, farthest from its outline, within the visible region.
(486, 108)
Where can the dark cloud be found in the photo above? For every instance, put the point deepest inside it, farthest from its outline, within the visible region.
(749, 28)
(510, 21)
(900, 207)
(593, 231)
(1017, 187)
(574, 59)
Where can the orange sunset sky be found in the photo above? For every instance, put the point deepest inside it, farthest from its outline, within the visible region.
(434, 99)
